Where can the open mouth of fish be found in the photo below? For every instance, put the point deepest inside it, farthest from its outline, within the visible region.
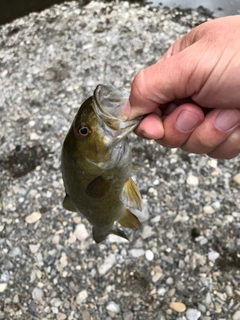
(108, 105)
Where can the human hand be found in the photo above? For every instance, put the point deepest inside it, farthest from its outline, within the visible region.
(192, 94)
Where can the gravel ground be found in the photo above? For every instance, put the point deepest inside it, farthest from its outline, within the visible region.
(184, 263)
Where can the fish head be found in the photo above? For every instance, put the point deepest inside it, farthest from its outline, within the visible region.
(99, 125)
(89, 135)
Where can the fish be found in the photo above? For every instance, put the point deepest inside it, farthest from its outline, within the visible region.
(96, 163)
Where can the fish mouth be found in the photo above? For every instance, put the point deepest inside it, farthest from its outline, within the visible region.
(108, 103)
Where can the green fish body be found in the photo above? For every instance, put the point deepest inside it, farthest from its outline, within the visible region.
(97, 163)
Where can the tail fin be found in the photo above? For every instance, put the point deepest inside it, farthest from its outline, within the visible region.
(99, 235)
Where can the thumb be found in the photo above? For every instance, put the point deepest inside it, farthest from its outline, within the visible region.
(167, 80)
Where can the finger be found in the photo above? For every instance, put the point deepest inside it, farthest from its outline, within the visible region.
(151, 127)
(229, 149)
(180, 123)
(216, 128)
(168, 80)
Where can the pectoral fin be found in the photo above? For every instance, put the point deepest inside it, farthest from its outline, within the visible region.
(130, 195)
(97, 188)
(129, 220)
(68, 205)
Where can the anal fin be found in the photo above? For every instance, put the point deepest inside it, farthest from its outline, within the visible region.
(129, 220)
(68, 205)
(130, 195)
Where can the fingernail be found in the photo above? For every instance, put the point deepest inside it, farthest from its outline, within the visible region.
(187, 121)
(227, 119)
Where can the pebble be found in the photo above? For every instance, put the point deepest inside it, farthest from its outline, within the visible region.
(81, 232)
(149, 255)
(136, 253)
(193, 314)
(33, 217)
(37, 294)
(147, 232)
(63, 261)
(236, 315)
(61, 316)
(107, 264)
(229, 291)
(4, 276)
(236, 178)
(192, 180)
(128, 315)
(161, 292)
(202, 240)
(236, 214)
(208, 209)
(56, 302)
(168, 259)
(213, 255)
(213, 163)
(34, 136)
(171, 292)
(3, 286)
(202, 307)
(177, 306)
(14, 252)
(16, 299)
(144, 214)
(113, 307)
(208, 298)
(81, 297)
(156, 276)
(181, 264)
(112, 238)
(86, 315)
(34, 247)
(216, 205)
(169, 281)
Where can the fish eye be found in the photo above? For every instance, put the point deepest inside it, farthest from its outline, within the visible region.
(83, 131)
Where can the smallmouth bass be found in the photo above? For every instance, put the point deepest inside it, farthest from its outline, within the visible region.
(97, 162)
